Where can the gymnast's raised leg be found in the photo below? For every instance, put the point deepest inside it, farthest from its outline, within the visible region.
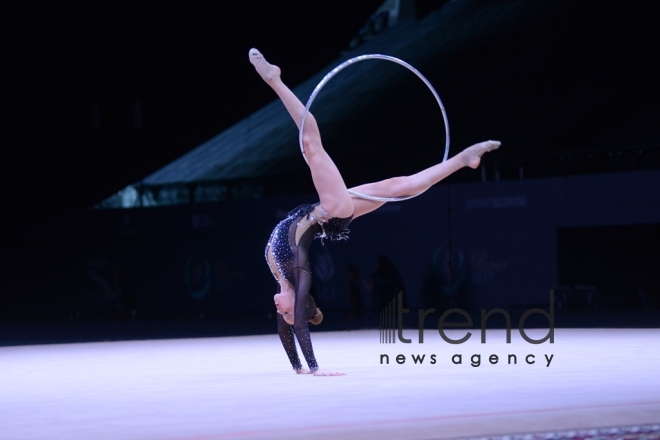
(328, 181)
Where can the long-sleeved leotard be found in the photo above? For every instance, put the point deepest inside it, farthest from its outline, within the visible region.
(287, 256)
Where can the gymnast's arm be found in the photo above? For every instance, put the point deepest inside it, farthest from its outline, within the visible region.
(287, 337)
(300, 328)
(302, 284)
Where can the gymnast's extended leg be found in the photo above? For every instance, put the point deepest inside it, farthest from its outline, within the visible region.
(328, 182)
(419, 182)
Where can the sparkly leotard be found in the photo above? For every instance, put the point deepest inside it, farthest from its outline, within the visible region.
(288, 258)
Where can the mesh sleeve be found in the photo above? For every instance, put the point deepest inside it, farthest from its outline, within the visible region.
(303, 283)
(286, 336)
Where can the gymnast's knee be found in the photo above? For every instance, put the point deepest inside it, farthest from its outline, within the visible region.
(311, 145)
(401, 186)
(413, 184)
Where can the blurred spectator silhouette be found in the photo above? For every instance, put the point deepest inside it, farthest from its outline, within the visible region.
(353, 292)
(385, 284)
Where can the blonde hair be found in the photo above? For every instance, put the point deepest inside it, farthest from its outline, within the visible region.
(313, 313)
(317, 318)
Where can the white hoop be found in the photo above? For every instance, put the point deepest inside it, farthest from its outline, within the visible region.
(354, 60)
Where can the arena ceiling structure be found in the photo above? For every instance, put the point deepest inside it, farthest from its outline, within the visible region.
(567, 87)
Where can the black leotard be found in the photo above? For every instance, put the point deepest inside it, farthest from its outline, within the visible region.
(287, 256)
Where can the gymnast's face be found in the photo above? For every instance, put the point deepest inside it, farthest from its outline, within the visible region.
(284, 305)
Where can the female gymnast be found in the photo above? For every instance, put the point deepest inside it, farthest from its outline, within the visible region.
(287, 249)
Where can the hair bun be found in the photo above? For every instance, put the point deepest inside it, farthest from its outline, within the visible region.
(317, 318)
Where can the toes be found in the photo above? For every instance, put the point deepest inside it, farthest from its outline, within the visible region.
(263, 67)
(255, 55)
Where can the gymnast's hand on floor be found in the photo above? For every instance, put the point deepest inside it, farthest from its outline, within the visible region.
(328, 373)
(303, 371)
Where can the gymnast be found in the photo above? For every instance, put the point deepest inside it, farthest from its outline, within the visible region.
(287, 248)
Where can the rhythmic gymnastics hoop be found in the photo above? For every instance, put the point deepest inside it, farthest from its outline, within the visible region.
(354, 60)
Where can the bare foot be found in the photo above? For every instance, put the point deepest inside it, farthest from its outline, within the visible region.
(328, 373)
(472, 155)
(263, 67)
(303, 370)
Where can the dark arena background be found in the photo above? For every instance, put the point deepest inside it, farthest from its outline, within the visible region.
(145, 165)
